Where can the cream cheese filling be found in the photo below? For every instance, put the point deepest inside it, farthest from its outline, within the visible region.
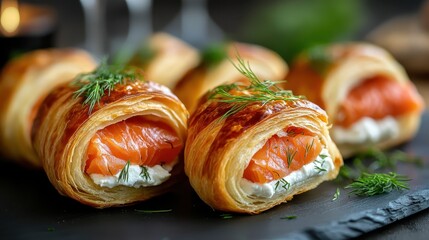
(366, 130)
(296, 179)
(136, 176)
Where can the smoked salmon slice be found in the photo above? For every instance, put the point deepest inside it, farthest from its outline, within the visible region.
(138, 140)
(378, 97)
(282, 155)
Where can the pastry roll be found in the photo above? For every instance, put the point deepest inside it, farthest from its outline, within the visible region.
(216, 69)
(165, 59)
(117, 150)
(24, 83)
(367, 95)
(251, 148)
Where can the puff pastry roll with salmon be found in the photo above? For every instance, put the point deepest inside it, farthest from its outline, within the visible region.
(165, 59)
(367, 95)
(110, 138)
(24, 83)
(250, 148)
(216, 69)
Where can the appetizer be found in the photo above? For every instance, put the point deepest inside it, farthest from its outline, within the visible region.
(216, 69)
(251, 147)
(165, 59)
(367, 95)
(24, 83)
(110, 138)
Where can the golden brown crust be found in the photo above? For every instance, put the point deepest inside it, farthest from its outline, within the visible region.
(24, 83)
(63, 129)
(265, 64)
(170, 59)
(218, 150)
(348, 65)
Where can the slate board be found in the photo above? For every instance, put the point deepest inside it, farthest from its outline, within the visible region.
(30, 208)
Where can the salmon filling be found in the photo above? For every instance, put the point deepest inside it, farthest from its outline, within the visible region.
(282, 154)
(138, 140)
(377, 97)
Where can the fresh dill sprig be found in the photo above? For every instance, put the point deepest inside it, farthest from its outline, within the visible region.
(226, 215)
(282, 183)
(308, 147)
(336, 194)
(382, 159)
(378, 183)
(346, 173)
(290, 156)
(153, 211)
(374, 160)
(144, 173)
(289, 217)
(319, 167)
(240, 96)
(94, 85)
(123, 175)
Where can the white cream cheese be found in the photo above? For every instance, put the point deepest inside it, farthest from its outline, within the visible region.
(153, 176)
(322, 165)
(366, 130)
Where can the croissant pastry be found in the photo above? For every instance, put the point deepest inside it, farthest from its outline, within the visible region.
(251, 148)
(165, 59)
(24, 83)
(216, 69)
(367, 95)
(119, 149)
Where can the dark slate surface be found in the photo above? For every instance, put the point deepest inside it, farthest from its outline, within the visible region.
(30, 208)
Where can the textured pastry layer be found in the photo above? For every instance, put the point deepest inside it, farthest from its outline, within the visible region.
(24, 83)
(166, 59)
(265, 63)
(63, 130)
(218, 150)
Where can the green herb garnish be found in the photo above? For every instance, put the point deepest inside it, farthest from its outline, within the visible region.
(153, 211)
(336, 195)
(282, 183)
(374, 160)
(51, 229)
(257, 92)
(289, 217)
(290, 156)
(318, 165)
(382, 159)
(144, 173)
(123, 175)
(226, 215)
(378, 183)
(308, 147)
(94, 85)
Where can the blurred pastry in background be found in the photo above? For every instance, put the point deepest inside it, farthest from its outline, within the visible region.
(216, 69)
(367, 95)
(165, 59)
(407, 38)
(24, 83)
